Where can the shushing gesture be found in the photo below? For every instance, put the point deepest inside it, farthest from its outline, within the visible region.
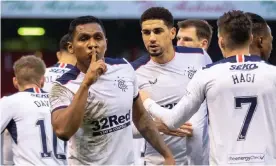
(95, 70)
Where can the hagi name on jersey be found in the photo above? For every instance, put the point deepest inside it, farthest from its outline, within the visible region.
(110, 124)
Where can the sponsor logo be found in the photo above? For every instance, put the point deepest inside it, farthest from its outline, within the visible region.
(246, 158)
(153, 82)
(169, 106)
(55, 70)
(110, 124)
(244, 67)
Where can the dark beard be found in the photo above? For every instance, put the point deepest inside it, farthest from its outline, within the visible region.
(156, 54)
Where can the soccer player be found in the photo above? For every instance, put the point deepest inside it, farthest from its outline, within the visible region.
(194, 33)
(197, 34)
(262, 37)
(66, 61)
(240, 91)
(27, 117)
(93, 103)
(161, 74)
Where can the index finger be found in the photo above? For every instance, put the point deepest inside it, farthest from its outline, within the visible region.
(94, 56)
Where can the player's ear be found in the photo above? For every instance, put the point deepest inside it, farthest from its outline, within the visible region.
(260, 42)
(204, 44)
(42, 80)
(58, 55)
(173, 33)
(70, 47)
(15, 83)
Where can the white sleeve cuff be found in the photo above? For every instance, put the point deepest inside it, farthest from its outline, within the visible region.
(148, 104)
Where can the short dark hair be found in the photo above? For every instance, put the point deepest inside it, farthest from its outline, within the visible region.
(158, 13)
(259, 25)
(203, 29)
(237, 28)
(63, 43)
(83, 20)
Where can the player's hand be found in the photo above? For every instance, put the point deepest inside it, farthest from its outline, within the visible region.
(183, 131)
(187, 128)
(95, 70)
(169, 160)
(144, 95)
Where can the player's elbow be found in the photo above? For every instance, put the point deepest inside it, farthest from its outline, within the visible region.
(63, 135)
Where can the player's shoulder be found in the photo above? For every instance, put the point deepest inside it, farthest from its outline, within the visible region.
(188, 50)
(235, 60)
(119, 64)
(72, 74)
(143, 60)
(25, 95)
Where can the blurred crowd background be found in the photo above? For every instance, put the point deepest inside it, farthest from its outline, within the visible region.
(35, 27)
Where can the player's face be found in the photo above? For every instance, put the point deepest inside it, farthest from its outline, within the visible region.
(157, 36)
(87, 39)
(187, 37)
(267, 44)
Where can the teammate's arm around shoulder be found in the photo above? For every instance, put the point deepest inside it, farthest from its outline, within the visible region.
(66, 119)
(148, 130)
(184, 109)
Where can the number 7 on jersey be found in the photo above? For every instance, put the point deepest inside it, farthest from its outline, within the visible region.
(252, 101)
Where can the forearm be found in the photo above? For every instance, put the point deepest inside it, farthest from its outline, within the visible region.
(175, 117)
(148, 130)
(68, 120)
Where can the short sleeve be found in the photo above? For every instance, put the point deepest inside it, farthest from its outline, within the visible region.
(7, 112)
(60, 97)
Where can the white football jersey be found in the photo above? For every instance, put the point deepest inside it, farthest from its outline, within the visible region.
(27, 117)
(105, 136)
(6, 148)
(240, 94)
(166, 85)
(53, 73)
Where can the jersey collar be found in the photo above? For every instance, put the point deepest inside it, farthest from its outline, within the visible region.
(34, 90)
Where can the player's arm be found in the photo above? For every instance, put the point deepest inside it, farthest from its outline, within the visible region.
(66, 119)
(7, 112)
(186, 107)
(148, 130)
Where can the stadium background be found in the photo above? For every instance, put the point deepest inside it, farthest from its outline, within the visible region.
(121, 21)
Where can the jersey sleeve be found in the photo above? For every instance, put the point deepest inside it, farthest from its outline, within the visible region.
(60, 97)
(186, 107)
(136, 90)
(7, 112)
(208, 60)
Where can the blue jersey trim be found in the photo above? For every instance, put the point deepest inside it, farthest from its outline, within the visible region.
(116, 61)
(140, 61)
(182, 49)
(233, 59)
(68, 66)
(12, 130)
(70, 75)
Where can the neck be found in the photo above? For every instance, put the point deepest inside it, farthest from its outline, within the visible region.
(254, 51)
(166, 57)
(243, 51)
(82, 67)
(28, 86)
(68, 60)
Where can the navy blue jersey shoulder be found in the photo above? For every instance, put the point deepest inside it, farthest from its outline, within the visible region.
(69, 66)
(140, 61)
(70, 75)
(116, 61)
(182, 49)
(233, 59)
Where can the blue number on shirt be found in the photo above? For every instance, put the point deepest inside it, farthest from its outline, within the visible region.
(252, 108)
(45, 152)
